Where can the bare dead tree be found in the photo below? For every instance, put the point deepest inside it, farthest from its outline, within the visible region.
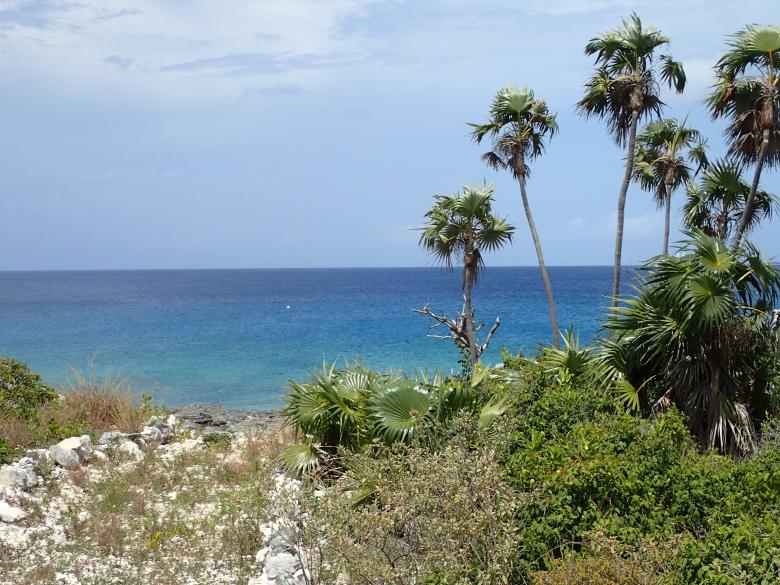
(457, 328)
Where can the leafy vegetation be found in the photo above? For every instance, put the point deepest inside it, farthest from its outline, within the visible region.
(33, 414)
(353, 408)
(698, 335)
(577, 486)
(22, 392)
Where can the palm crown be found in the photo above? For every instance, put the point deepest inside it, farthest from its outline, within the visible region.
(692, 334)
(519, 125)
(746, 93)
(626, 76)
(664, 149)
(462, 227)
(717, 202)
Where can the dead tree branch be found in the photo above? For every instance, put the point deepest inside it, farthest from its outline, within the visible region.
(457, 328)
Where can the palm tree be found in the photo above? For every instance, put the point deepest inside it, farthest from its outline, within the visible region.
(717, 204)
(519, 125)
(747, 96)
(660, 162)
(697, 335)
(623, 89)
(463, 227)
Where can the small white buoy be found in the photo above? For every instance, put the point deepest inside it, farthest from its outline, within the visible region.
(288, 306)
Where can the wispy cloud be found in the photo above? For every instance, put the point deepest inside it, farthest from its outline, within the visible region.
(118, 61)
(253, 63)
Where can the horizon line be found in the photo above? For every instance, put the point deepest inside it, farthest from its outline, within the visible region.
(212, 268)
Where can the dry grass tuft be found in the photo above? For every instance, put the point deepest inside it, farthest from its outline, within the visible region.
(16, 432)
(103, 402)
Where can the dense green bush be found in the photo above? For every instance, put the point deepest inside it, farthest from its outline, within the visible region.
(21, 391)
(353, 408)
(6, 453)
(588, 469)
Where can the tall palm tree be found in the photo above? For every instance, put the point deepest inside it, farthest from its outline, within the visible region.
(462, 227)
(660, 162)
(698, 335)
(623, 89)
(747, 96)
(716, 205)
(519, 125)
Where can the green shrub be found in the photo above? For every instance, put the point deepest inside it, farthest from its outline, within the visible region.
(589, 468)
(354, 408)
(6, 453)
(744, 550)
(21, 391)
(436, 517)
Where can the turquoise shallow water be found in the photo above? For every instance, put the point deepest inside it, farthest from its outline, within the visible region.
(236, 336)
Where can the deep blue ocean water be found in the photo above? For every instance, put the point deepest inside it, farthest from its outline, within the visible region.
(237, 336)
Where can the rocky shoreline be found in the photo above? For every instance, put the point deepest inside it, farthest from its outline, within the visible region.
(215, 418)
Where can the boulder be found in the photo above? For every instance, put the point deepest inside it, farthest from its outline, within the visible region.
(20, 475)
(165, 427)
(67, 458)
(72, 452)
(9, 513)
(152, 435)
(282, 568)
(111, 439)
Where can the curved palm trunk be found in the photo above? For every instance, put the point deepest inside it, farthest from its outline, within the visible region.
(542, 267)
(468, 284)
(667, 217)
(748, 211)
(621, 208)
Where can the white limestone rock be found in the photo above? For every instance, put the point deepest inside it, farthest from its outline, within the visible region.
(20, 475)
(112, 439)
(64, 456)
(10, 514)
(131, 450)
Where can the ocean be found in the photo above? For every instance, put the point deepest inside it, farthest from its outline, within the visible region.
(236, 337)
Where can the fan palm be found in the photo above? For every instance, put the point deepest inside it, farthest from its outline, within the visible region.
(623, 89)
(519, 125)
(716, 205)
(696, 336)
(747, 95)
(462, 227)
(660, 162)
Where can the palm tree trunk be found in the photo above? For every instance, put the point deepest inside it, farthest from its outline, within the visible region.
(667, 217)
(542, 267)
(621, 209)
(748, 211)
(468, 284)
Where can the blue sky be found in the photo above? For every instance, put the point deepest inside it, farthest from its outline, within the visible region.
(164, 134)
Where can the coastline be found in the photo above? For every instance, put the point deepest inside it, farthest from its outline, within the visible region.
(215, 418)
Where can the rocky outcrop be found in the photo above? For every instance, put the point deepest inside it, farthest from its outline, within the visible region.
(213, 418)
(71, 453)
(280, 559)
(21, 475)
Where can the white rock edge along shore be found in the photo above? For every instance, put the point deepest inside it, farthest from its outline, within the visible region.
(279, 561)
